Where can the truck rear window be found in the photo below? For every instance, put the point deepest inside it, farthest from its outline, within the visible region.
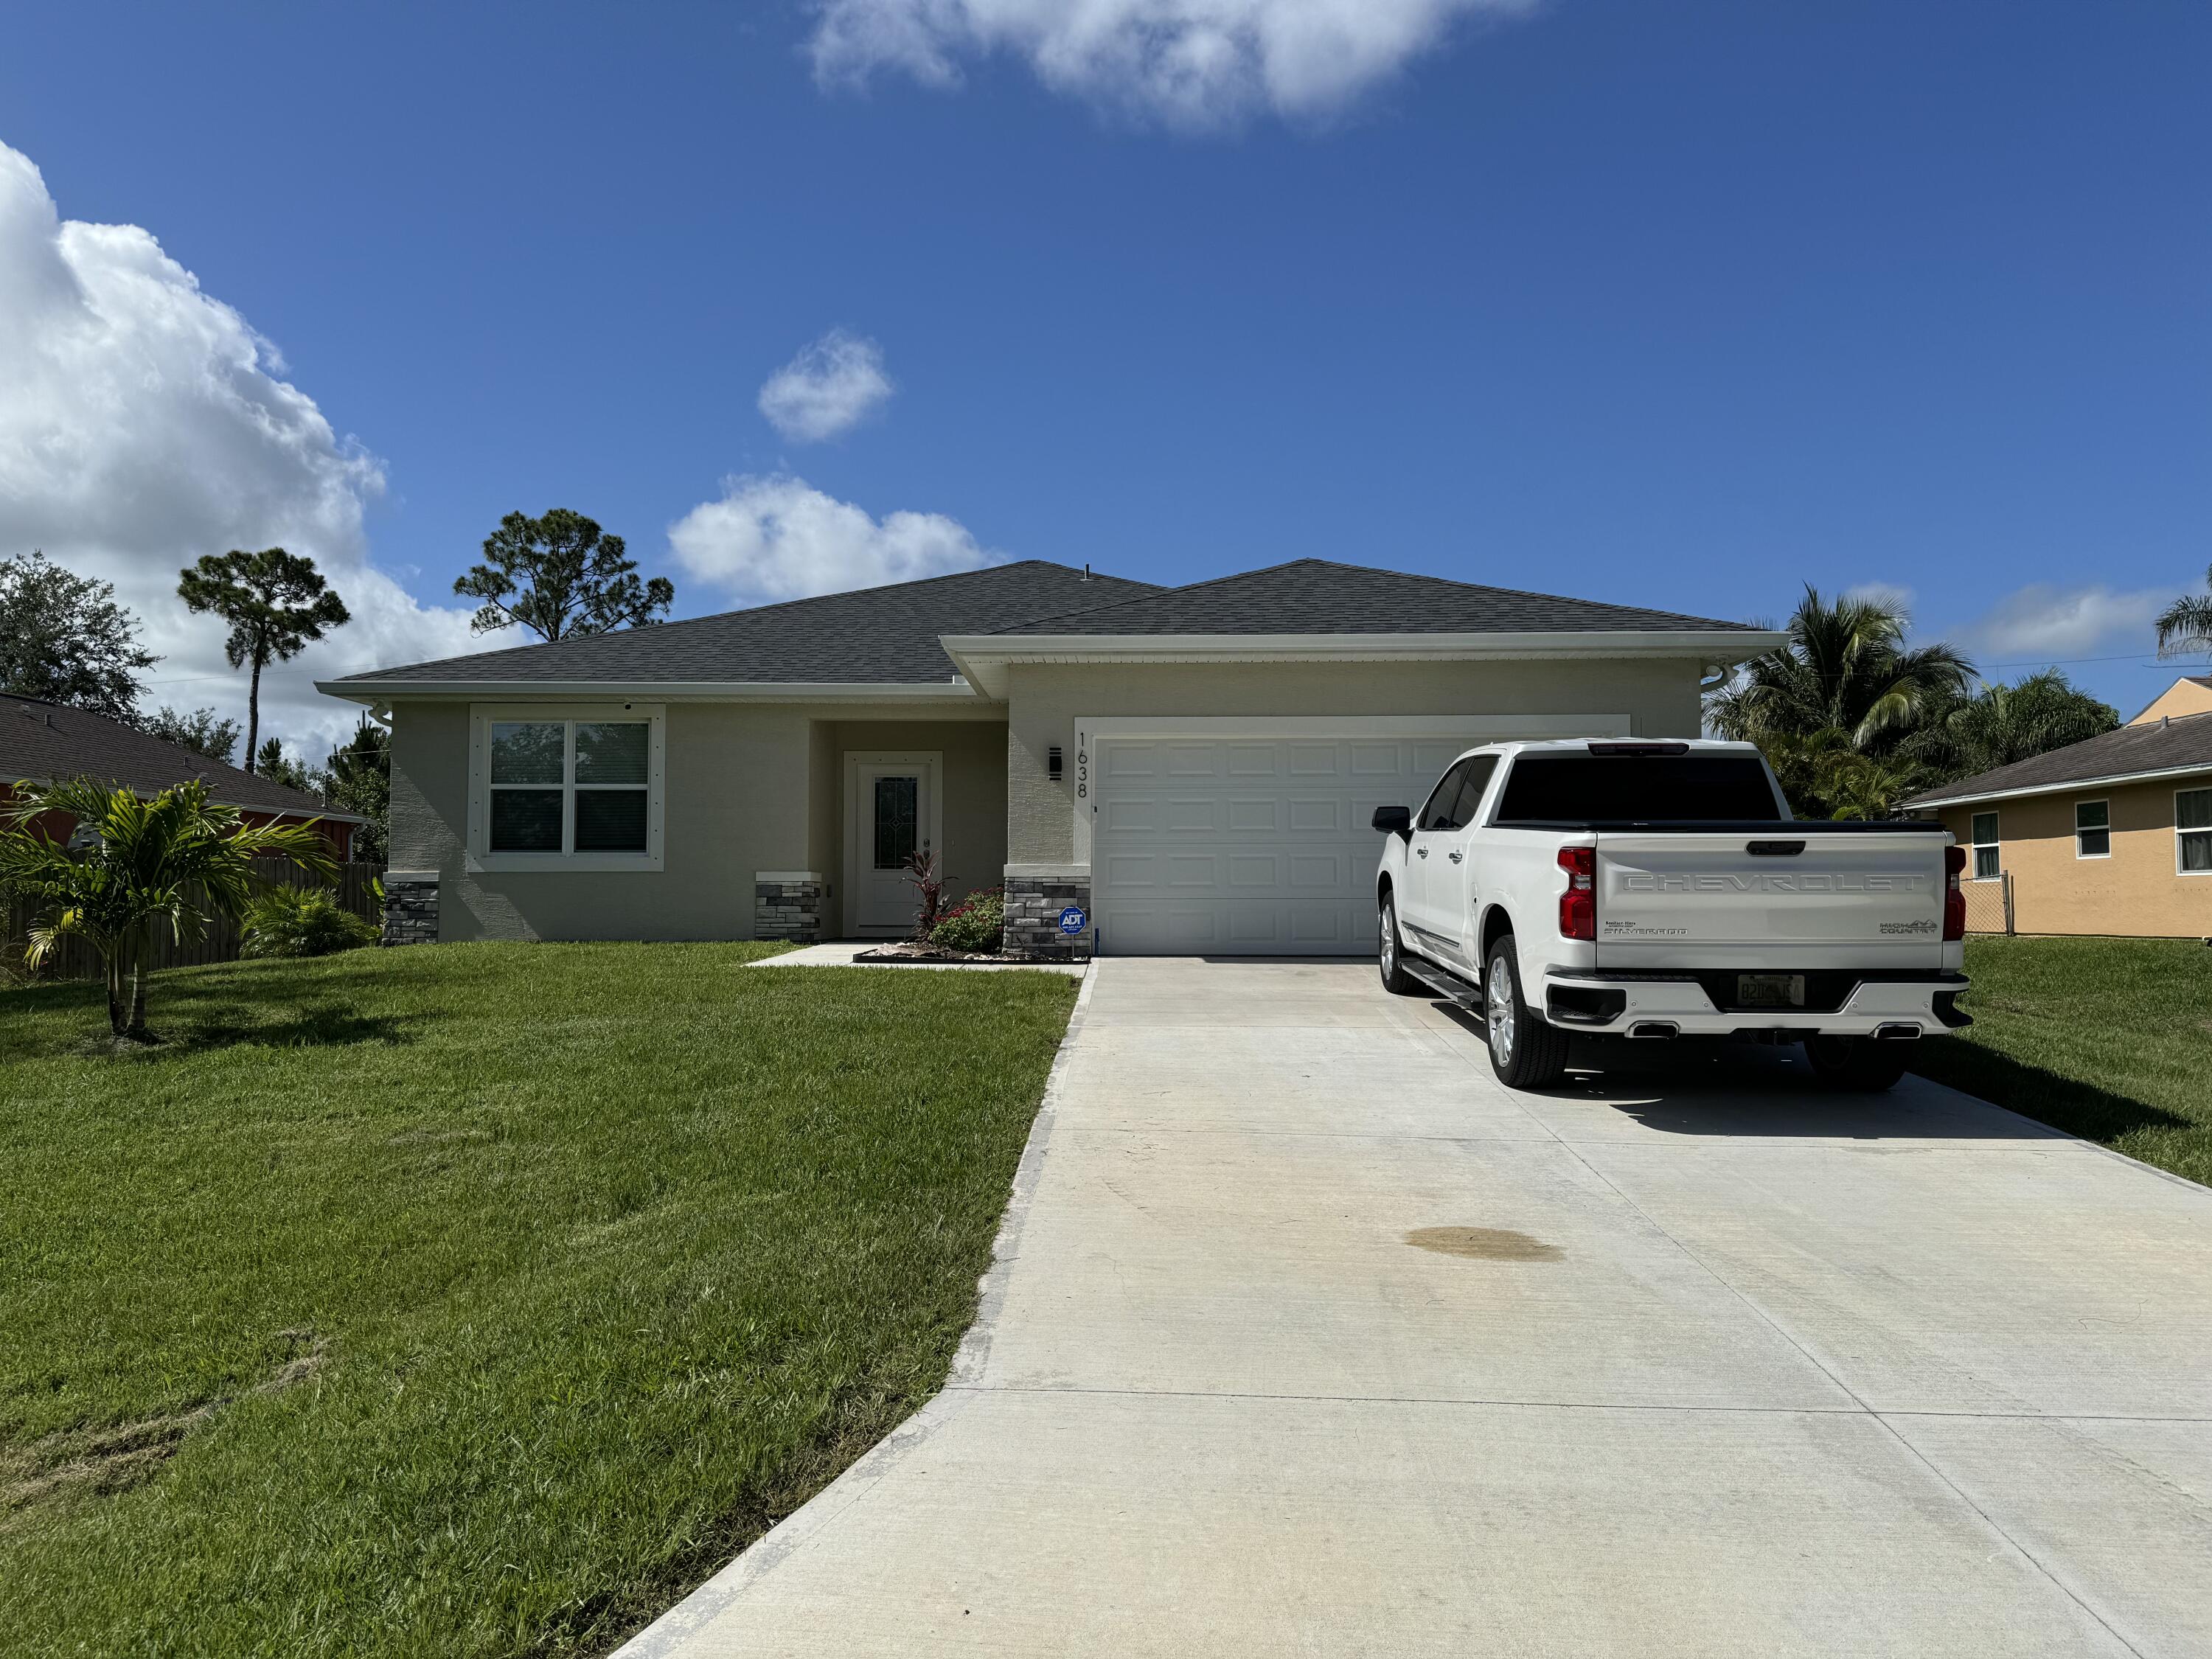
(1643, 788)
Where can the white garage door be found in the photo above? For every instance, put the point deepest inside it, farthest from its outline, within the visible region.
(1249, 845)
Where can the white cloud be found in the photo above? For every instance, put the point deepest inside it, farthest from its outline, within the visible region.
(781, 538)
(828, 389)
(1192, 64)
(142, 424)
(2043, 623)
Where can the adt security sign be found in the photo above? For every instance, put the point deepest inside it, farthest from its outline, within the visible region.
(1073, 920)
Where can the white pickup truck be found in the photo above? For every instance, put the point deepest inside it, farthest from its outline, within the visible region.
(1657, 889)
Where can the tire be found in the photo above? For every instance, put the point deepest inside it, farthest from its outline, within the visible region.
(1527, 1051)
(1390, 954)
(1861, 1065)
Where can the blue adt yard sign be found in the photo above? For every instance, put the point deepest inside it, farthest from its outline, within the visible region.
(1071, 920)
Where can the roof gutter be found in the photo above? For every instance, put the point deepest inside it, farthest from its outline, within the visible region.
(374, 693)
(315, 814)
(985, 658)
(2064, 786)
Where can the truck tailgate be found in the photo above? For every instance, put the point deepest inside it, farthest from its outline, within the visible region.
(1704, 899)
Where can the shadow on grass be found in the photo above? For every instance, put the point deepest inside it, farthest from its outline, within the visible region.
(188, 1016)
(321, 1025)
(2080, 1108)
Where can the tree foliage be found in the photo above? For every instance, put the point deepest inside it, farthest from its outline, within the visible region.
(176, 860)
(64, 638)
(2185, 627)
(274, 764)
(562, 577)
(276, 603)
(1854, 722)
(1846, 667)
(2002, 724)
(199, 732)
(357, 779)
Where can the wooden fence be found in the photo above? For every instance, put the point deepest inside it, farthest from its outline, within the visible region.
(218, 942)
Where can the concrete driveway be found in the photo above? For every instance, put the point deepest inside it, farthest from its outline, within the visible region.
(1309, 1339)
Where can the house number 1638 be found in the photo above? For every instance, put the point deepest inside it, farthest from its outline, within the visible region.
(1082, 773)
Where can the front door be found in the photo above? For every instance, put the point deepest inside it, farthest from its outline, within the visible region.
(893, 816)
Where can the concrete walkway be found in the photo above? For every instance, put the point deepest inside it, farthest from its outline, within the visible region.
(1308, 1339)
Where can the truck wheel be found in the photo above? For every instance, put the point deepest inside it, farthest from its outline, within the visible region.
(1390, 952)
(1861, 1064)
(1527, 1051)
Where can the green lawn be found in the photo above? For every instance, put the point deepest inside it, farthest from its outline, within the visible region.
(476, 1299)
(2110, 1039)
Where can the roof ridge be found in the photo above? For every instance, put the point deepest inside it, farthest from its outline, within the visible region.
(682, 622)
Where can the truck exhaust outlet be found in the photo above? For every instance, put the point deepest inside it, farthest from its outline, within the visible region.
(1655, 1028)
(1897, 1033)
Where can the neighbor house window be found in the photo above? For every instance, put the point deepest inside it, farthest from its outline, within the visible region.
(1989, 859)
(2192, 831)
(574, 789)
(2093, 830)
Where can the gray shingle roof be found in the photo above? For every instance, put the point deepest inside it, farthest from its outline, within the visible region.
(875, 635)
(48, 740)
(2181, 744)
(1317, 596)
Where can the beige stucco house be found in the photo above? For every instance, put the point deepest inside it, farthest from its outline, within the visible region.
(1193, 768)
(2112, 835)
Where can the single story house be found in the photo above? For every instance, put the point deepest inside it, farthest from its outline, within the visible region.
(42, 742)
(2111, 836)
(1192, 767)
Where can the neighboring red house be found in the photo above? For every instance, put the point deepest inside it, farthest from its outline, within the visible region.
(41, 742)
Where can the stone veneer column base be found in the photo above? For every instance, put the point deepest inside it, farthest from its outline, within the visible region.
(1035, 895)
(410, 907)
(788, 905)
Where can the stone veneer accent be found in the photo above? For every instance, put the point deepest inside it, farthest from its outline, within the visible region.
(788, 905)
(410, 907)
(1033, 902)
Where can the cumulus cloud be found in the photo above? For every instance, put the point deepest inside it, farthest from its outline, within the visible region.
(828, 389)
(780, 538)
(2043, 623)
(1192, 64)
(143, 422)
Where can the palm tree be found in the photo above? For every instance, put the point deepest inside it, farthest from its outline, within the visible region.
(1846, 668)
(2002, 724)
(2185, 627)
(173, 859)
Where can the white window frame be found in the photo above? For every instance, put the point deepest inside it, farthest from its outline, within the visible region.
(2081, 828)
(481, 717)
(1976, 843)
(2179, 832)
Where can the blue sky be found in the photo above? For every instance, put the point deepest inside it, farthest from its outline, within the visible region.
(1681, 305)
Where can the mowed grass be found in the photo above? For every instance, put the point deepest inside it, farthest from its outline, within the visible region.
(2110, 1039)
(474, 1299)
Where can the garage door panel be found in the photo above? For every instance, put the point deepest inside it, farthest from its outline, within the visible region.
(1249, 846)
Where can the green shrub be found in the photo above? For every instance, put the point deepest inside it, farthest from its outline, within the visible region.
(302, 922)
(974, 924)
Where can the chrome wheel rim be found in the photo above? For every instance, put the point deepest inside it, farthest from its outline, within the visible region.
(1389, 945)
(1498, 1008)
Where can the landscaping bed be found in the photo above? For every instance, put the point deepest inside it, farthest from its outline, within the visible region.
(473, 1299)
(2110, 1039)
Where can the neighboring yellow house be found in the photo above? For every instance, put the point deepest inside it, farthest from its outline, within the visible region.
(2112, 835)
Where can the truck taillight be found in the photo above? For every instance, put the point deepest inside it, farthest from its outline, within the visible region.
(1954, 897)
(1578, 904)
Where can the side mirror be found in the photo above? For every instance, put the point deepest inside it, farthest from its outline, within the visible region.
(1394, 820)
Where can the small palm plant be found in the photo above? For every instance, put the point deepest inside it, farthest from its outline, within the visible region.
(174, 859)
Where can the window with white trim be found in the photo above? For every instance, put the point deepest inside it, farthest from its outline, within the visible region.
(2192, 832)
(2093, 830)
(1988, 854)
(570, 788)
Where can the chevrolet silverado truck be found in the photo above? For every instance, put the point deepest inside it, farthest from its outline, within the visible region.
(1651, 890)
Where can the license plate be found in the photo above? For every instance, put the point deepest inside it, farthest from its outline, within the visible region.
(1770, 990)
